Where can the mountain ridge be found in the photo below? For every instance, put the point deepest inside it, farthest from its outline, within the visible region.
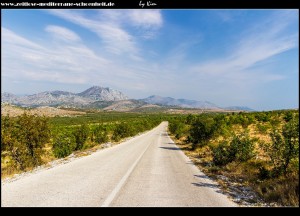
(184, 103)
(105, 98)
(57, 97)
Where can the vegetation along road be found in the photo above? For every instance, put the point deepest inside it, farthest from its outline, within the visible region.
(148, 170)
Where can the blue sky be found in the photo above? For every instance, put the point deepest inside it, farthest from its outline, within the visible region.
(228, 57)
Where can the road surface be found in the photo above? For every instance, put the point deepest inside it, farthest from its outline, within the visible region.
(148, 170)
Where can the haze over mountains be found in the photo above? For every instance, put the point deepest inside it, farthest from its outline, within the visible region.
(104, 98)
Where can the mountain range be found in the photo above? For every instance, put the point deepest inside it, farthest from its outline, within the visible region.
(107, 99)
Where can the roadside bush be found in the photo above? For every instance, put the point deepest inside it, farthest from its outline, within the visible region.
(81, 134)
(24, 137)
(101, 135)
(121, 131)
(178, 128)
(284, 147)
(221, 154)
(240, 149)
(64, 144)
(202, 130)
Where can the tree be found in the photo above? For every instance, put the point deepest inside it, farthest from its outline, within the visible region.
(81, 134)
(202, 130)
(100, 134)
(34, 133)
(24, 138)
(284, 147)
(64, 144)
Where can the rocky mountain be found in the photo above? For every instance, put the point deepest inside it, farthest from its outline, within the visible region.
(59, 98)
(108, 99)
(98, 93)
(9, 98)
(184, 103)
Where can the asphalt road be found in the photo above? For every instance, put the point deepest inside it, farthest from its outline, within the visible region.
(148, 170)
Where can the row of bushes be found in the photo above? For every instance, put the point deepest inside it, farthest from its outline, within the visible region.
(283, 149)
(264, 154)
(67, 141)
(23, 138)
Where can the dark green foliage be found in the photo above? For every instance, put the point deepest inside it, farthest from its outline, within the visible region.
(288, 116)
(264, 173)
(240, 149)
(81, 134)
(178, 128)
(23, 138)
(263, 116)
(121, 131)
(221, 154)
(202, 130)
(284, 147)
(63, 145)
(34, 133)
(100, 134)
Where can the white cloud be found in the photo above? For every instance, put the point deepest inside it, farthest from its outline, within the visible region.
(72, 63)
(58, 62)
(146, 18)
(62, 33)
(115, 39)
(9, 37)
(111, 26)
(255, 46)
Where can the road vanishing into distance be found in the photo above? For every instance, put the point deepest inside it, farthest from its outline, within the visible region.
(147, 170)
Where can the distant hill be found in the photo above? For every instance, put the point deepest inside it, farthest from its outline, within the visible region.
(109, 99)
(184, 103)
(64, 98)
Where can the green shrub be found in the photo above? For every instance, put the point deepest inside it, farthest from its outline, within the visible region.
(81, 134)
(64, 144)
(221, 154)
(178, 128)
(240, 149)
(121, 131)
(24, 138)
(101, 135)
(284, 147)
(202, 130)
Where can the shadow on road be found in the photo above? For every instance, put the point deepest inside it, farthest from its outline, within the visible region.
(164, 134)
(201, 184)
(170, 148)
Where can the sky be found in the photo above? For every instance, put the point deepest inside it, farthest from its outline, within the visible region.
(227, 57)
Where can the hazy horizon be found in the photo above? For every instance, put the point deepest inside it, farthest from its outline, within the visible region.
(227, 57)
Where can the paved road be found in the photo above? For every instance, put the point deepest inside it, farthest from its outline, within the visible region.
(148, 170)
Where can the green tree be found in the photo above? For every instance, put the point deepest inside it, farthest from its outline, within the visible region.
(34, 133)
(100, 134)
(64, 144)
(81, 134)
(284, 147)
(242, 147)
(202, 130)
(24, 137)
